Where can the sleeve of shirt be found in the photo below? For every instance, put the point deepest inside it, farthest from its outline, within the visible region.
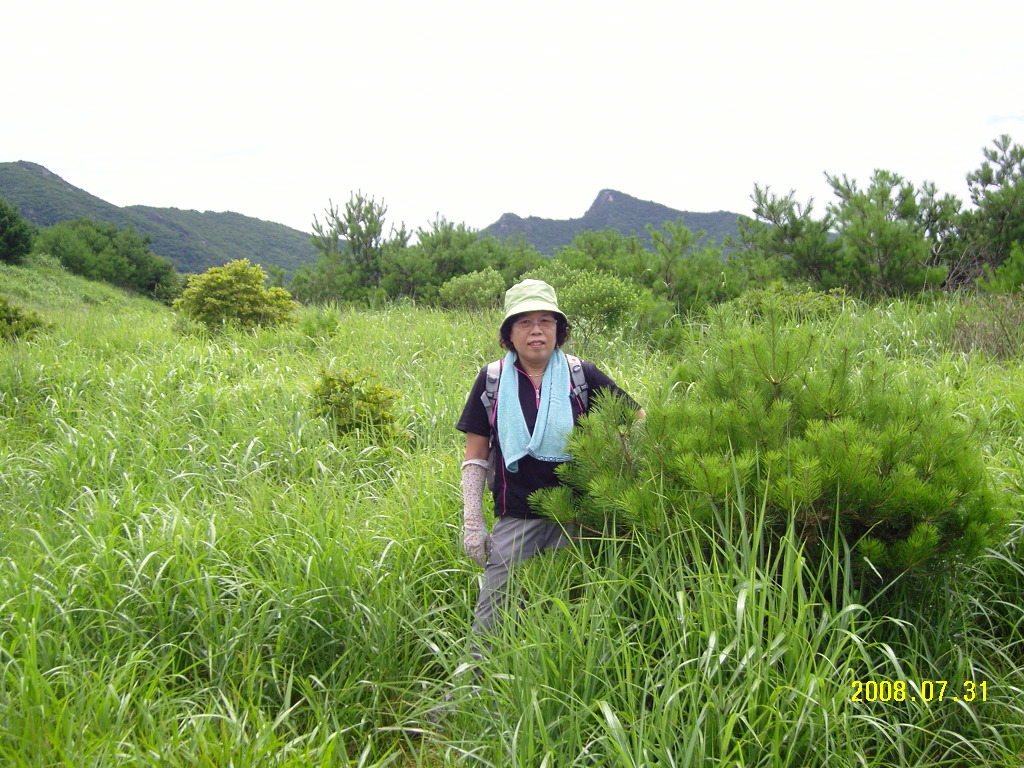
(474, 415)
(601, 384)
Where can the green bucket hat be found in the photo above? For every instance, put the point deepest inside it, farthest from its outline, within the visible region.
(530, 296)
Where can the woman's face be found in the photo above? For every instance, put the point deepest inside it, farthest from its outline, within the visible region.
(533, 335)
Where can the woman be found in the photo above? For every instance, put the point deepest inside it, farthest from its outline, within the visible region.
(528, 428)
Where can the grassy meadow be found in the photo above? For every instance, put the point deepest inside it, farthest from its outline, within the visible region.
(195, 570)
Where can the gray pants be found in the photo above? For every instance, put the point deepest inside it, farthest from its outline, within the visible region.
(512, 541)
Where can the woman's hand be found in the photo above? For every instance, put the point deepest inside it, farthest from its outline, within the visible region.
(476, 543)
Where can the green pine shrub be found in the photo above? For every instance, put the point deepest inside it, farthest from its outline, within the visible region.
(320, 321)
(16, 322)
(236, 294)
(354, 403)
(482, 289)
(1008, 277)
(815, 437)
(800, 303)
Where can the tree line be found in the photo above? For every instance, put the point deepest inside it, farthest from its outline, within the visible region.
(888, 238)
(97, 250)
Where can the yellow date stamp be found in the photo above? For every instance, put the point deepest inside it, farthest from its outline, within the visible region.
(923, 690)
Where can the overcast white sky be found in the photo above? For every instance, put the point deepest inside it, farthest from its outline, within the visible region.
(470, 109)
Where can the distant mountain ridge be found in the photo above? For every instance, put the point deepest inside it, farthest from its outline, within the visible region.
(611, 210)
(192, 240)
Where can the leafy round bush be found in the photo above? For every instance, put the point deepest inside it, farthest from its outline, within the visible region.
(235, 294)
(482, 289)
(355, 404)
(816, 439)
(590, 296)
(16, 322)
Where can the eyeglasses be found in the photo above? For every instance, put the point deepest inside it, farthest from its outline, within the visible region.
(525, 324)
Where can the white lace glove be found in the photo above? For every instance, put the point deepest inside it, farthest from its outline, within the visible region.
(475, 540)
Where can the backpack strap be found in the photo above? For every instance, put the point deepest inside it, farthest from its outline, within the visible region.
(490, 393)
(580, 389)
(490, 398)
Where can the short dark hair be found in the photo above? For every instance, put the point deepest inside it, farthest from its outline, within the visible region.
(561, 333)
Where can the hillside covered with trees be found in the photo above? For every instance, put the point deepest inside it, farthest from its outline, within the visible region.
(193, 241)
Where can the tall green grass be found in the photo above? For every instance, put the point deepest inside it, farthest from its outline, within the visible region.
(195, 570)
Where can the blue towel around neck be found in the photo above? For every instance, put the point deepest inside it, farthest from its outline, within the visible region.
(554, 416)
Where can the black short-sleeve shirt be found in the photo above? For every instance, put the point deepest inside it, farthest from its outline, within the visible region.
(512, 489)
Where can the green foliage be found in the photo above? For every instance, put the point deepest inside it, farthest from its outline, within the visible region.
(940, 220)
(594, 298)
(783, 230)
(100, 251)
(997, 191)
(235, 294)
(772, 419)
(1008, 277)
(482, 289)
(890, 239)
(16, 322)
(15, 234)
(793, 302)
(353, 250)
(605, 250)
(883, 248)
(355, 404)
(441, 253)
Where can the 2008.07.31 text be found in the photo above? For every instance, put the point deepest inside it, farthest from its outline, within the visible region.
(925, 690)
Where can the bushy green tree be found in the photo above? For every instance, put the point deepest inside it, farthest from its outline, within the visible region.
(883, 248)
(446, 251)
(98, 250)
(681, 268)
(517, 258)
(785, 231)
(482, 289)
(591, 297)
(997, 191)
(352, 247)
(848, 449)
(796, 303)
(236, 294)
(16, 234)
(606, 250)
(692, 273)
(442, 252)
(940, 220)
